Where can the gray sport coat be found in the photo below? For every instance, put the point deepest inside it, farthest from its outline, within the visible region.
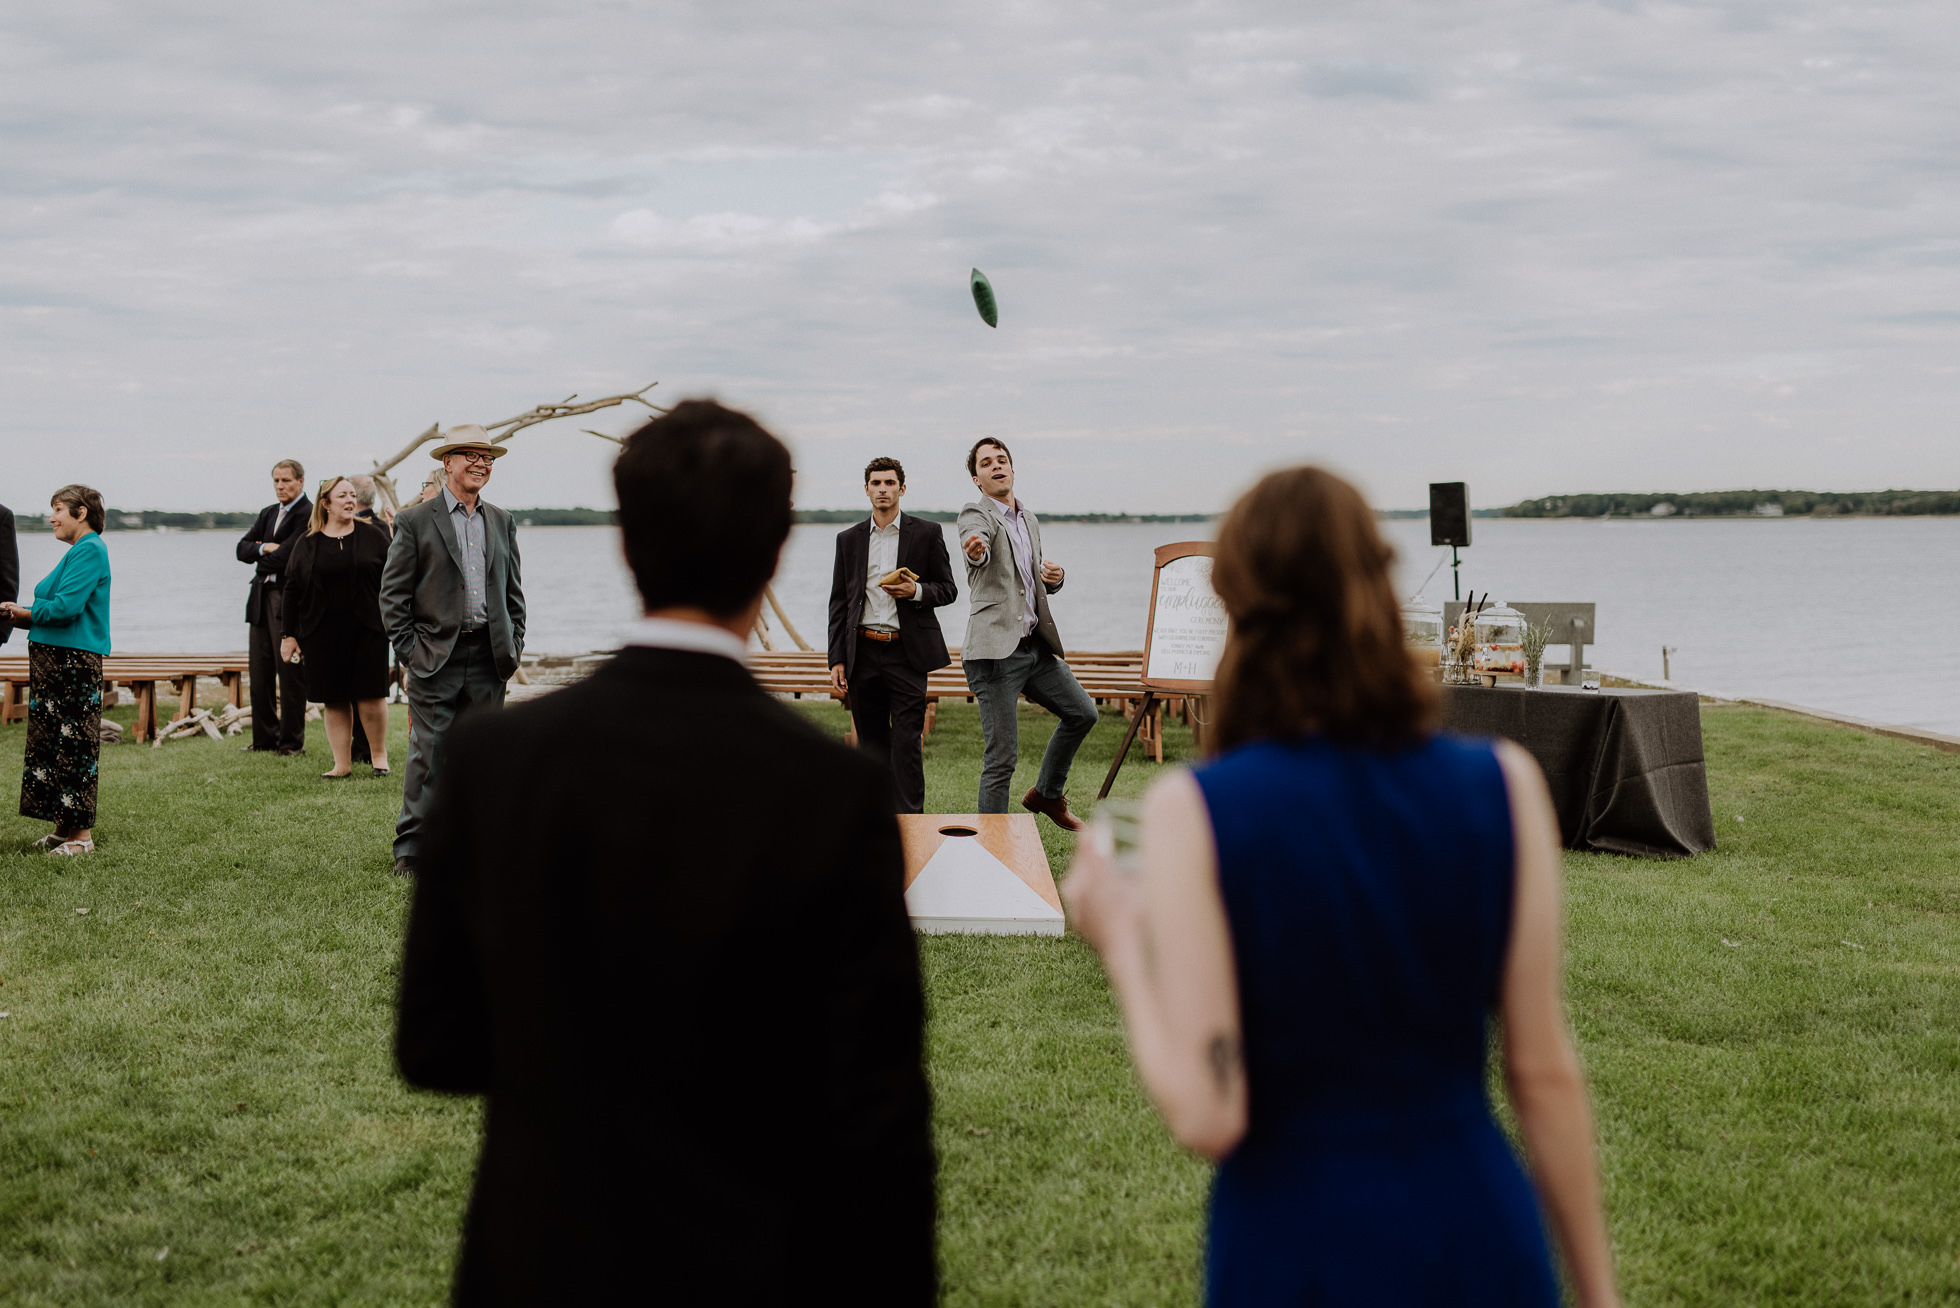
(422, 588)
(994, 588)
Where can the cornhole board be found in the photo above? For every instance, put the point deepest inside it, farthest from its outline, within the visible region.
(978, 874)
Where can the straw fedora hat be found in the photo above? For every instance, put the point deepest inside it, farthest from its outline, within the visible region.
(468, 436)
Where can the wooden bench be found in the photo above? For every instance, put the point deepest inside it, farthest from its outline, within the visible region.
(141, 673)
(1111, 677)
(1572, 626)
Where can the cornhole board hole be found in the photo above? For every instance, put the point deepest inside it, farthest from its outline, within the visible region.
(978, 873)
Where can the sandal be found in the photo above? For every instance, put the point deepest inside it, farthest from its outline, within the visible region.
(379, 772)
(71, 848)
(47, 842)
(336, 776)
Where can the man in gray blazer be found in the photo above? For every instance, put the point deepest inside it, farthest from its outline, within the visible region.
(1012, 647)
(453, 605)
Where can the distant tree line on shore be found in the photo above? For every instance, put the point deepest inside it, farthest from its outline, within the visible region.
(152, 519)
(1657, 504)
(1740, 504)
(949, 515)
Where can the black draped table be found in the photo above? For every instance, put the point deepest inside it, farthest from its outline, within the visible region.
(1625, 766)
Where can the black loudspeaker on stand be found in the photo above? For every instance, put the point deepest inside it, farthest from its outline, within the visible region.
(1449, 523)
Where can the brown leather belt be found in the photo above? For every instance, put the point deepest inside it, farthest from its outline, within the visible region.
(882, 637)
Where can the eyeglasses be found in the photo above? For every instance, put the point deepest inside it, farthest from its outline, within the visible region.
(477, 456)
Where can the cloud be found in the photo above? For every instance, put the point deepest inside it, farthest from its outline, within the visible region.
(1540, 246)
(1365, 77)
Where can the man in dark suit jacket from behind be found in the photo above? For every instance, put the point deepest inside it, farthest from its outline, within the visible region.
(885, 639)
(278, 687)
(673, 951)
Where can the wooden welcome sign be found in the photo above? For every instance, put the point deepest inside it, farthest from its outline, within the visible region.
(1186, 632)
(1183, 640)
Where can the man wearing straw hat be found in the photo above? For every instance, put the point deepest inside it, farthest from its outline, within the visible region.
(453, 605)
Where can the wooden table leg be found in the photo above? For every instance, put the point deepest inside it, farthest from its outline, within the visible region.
(7, 702)
(1123, 751)
(234, 684)
(186, 688)
(146, 710)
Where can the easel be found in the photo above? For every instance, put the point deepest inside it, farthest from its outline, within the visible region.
(1151, 700)
(1158, 688)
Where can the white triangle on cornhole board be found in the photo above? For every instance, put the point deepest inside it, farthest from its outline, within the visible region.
(965, 887)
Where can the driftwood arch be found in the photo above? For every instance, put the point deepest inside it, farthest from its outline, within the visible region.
(565, 408)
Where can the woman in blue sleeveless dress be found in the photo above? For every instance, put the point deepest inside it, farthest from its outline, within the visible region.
(1313, 933)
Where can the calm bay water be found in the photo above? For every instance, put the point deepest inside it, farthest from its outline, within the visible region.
(1853, 615)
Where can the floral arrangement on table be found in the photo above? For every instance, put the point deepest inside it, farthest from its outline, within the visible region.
(1460, 646)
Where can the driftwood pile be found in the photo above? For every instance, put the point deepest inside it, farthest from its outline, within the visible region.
(228, 722)
(570, 406)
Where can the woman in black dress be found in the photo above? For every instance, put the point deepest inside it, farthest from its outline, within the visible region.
(333, 611)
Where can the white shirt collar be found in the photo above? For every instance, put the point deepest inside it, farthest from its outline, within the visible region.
(873, 522)
(694, 637)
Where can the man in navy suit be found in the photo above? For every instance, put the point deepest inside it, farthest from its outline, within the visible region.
(278, 688)
(884, 635)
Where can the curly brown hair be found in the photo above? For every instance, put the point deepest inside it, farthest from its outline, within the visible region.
(1316, 637)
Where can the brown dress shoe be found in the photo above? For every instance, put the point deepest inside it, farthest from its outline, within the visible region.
(1056, 809)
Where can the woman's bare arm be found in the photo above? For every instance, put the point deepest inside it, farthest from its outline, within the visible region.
(1547, 1086)
(1167, 948)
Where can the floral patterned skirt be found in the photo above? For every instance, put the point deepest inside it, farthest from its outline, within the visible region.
(64, 735)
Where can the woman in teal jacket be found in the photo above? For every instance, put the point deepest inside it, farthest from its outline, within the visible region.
(67, 636)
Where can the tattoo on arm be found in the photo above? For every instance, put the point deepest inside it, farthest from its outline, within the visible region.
(1224, 1060)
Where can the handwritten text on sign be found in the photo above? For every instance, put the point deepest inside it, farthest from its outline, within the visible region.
(1187, 632)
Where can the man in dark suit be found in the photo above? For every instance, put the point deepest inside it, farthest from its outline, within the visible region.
(884, 635)
(452, 600)
(9, 569)
(676, 956)
(278, 687)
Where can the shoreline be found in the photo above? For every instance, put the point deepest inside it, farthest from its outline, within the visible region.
(1919, 735)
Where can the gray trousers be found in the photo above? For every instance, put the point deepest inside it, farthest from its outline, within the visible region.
(997, 686)
(469, 680)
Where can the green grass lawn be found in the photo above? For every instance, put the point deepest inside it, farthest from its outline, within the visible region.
(199, 1063)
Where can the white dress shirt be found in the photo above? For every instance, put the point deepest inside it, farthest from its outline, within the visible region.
(880, 609)
(694, 637)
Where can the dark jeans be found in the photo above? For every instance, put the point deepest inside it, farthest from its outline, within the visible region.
(469, 680)
(997, 685)
(278, 687)
(888, 707)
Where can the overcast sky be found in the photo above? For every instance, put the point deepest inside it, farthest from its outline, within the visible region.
(1539, 247)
